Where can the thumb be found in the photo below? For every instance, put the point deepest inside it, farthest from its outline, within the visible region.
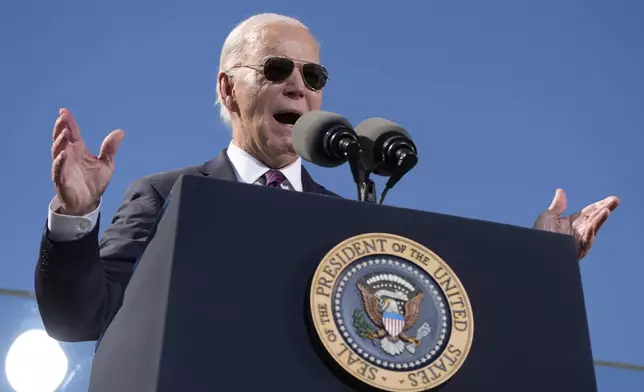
(559, 202)
(110, 145)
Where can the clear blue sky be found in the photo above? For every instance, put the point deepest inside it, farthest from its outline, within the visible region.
(507, 100)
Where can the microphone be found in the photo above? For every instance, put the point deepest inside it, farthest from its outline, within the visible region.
(325, 139)
(387, 150)
(328, 139)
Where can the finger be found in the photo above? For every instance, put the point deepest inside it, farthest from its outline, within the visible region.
(57, 168)
(59, 125)
(61, 142)
(610, 202)
(74, 134)
(594, 225)
(587, 229)
(110, 146)
(559, 202)
(598, 220)
(596, 206)
(591, 208)
(591, 216)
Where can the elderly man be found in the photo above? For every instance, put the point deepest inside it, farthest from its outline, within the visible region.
(269, 75)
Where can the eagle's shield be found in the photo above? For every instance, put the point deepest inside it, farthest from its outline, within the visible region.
(393, 322)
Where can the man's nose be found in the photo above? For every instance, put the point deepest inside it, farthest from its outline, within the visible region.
(294, 87)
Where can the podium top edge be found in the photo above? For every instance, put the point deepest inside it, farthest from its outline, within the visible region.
(190, 178)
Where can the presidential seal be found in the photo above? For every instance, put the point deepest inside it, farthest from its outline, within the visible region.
(391, 313)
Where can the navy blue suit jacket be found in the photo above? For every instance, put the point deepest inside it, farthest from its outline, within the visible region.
(80, 284)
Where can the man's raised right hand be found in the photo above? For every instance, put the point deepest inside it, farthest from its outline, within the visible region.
(80, 178)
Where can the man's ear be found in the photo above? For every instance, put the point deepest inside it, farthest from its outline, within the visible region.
(227, 92)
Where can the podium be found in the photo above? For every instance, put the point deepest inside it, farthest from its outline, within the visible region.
(249, 288)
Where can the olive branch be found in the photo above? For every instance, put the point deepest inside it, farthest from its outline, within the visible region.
(363, 327)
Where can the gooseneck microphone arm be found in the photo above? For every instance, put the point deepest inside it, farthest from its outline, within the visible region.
(368, 191)
(344, 143)
(406, 161)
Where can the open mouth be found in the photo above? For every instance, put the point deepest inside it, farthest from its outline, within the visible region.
(287, 117)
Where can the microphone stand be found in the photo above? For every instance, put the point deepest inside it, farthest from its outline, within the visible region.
(365, 185)
(367, 191)
(407, 159)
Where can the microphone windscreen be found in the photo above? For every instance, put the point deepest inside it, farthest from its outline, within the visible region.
(374, 128)
(309, 132)
(372, 133)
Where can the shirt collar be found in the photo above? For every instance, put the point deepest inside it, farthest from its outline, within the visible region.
(249, 170)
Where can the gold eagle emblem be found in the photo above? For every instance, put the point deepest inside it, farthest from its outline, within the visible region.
(393, 313)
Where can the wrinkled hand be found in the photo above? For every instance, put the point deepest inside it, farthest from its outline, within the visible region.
(79, 177)
(583, 225)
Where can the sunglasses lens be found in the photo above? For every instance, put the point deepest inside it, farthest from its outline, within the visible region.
(315, 75)
(278, 69)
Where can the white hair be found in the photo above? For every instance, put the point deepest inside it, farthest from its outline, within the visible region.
(246, 38)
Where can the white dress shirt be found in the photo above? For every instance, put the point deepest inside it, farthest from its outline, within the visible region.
(247, 169)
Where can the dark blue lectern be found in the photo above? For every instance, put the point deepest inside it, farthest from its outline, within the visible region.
(220, 300)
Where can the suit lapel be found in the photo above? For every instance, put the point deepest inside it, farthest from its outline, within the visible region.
(308, 185)
(220, 168)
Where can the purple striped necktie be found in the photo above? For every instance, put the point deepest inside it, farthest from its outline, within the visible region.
(274, 178)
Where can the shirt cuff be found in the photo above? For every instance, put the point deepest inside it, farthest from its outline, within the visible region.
(67, 227)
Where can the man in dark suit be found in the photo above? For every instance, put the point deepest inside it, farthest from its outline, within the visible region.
(264, 86)
(269, 75)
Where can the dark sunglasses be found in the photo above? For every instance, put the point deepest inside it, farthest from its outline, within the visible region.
(278, 69)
